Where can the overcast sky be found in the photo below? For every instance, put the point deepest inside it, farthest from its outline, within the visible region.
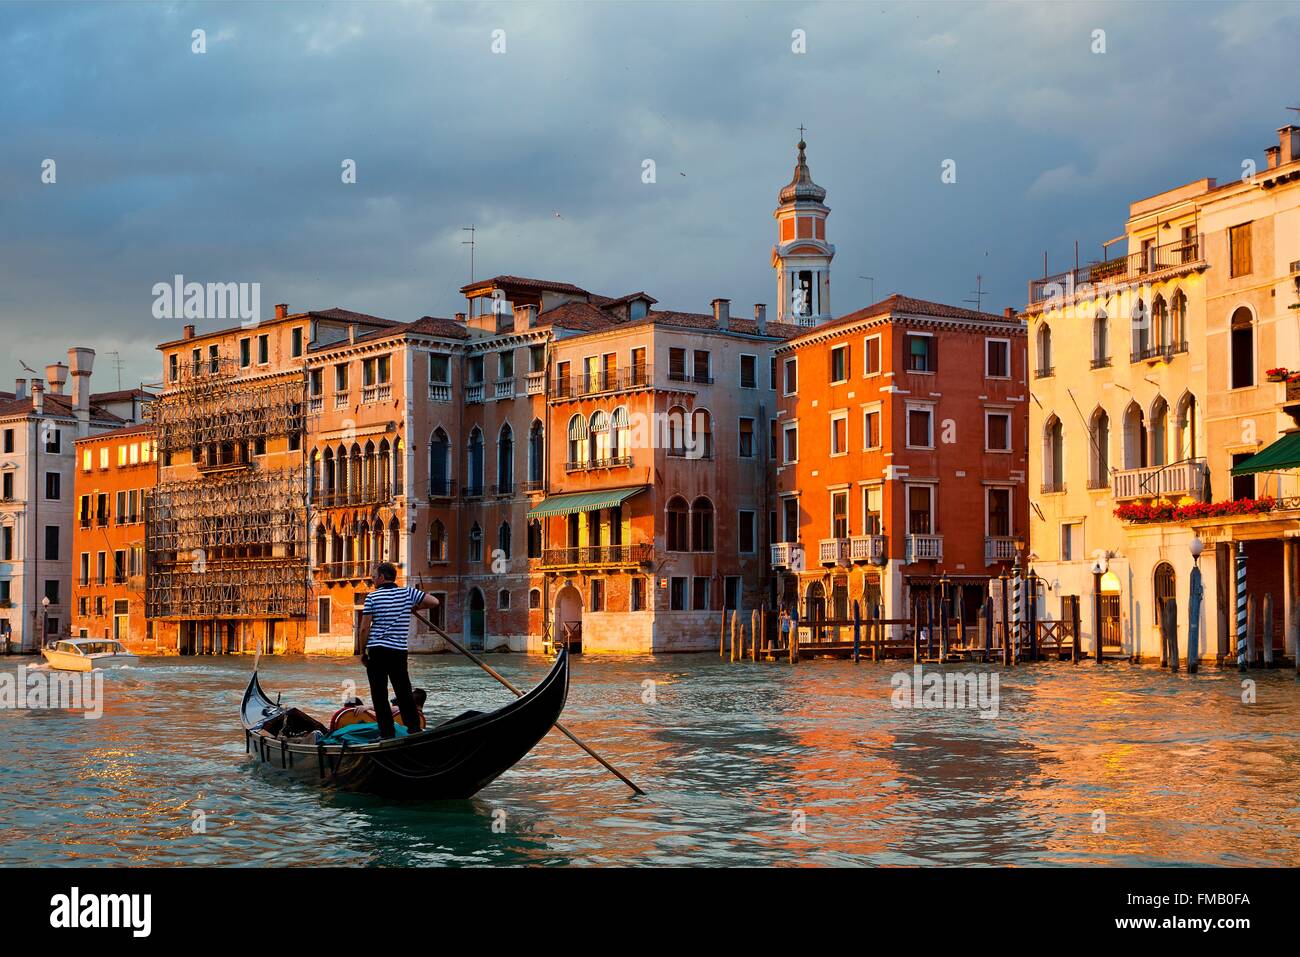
(225, 166)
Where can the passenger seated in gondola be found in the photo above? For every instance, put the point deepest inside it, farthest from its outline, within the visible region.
(359, 714)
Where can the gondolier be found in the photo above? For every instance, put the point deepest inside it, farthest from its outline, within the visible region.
(385, 624)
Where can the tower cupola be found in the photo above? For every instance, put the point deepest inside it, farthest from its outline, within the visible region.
(802, 256)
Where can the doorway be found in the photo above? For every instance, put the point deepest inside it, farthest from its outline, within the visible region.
(568, 618)
(475, 625)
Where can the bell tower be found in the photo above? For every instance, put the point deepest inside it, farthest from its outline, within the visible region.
(802, 256)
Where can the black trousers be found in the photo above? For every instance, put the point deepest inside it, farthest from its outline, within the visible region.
(382, 666)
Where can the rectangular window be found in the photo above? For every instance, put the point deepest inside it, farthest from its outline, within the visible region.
(790, 518)
(537, 358)
(745, 531)
(731, 592)
(597, 594)
(999, 512)
(341, 377)
(1071, 541)
(438, 614)
(245, 353)
(746, 449)
(920, 428)
(9, 441)
(700, 593)
(871, 510)
(214, 359)
(263, 349)
(771, 373)
(440, 369)
(51, 543)
(103, 457)
(52, 591)
(7, 543)
(839, 364)
(677, 365)
(7, 486)
(839, 433)
(791, 376)
(840, 513)
(1243, 486)
(54, 443)
(749, 372)
(506, 364)
(922, 353)
(871, 429)
(639, 370)
(791, 443)
(196, 361)
(677, 594)
(638, 594)
(919, 501)
(297, 341)
(53, 486)
(997, 431)
(871, 356)
(1239, 247)
(997, 358)
(84, 577)
(772, 443)
(323, 616)
(316, 383)
(473, 370)
(173, 367)
(87, 460)
(119, 566)
(562, 377)
(703, 372)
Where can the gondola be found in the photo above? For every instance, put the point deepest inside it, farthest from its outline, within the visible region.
(452, 760)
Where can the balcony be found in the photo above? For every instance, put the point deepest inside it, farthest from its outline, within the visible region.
(341, 499)
(531, 486)
(439, 391)
(598, 555)
(1144, 265)
(1188, 477)
(535, 383)
(446, 488)
(1166, 351)
(868, 548)
(617, 380)
(342, 400)
(474, 393)
(787, 555)
(1101, 362)
(503, 489)
(608, 462)
(343, 571)
(1045, 373)
(376, 393)
(503, 389)
(315, 404)
(1052, 488)
(473, 491)
(999, 548)
(924, 548)
(833, 551)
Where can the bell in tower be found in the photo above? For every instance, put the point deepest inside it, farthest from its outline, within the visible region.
(802, 256)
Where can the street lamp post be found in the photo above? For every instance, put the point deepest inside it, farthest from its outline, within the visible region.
(1098, 569)
(1195, 546)
(45, 619)
(943, 616)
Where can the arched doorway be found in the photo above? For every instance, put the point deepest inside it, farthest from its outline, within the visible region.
(1164, 588)
(568, 619)
(474, 620)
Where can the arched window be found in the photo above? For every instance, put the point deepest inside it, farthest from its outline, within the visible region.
(675, 425)
(503, 540)
(1135, 437)
(354, 476)
(702, 525)
(320, 546)
(535, 539)
(536, 451)
(399, 466)
(369, 473)
(439, 463)
(503, 599)
(1165, 588)
(1243, 349)
(678, 525)
(383, 472)
(1100, 340)
(1160, 337)
(619, 439)
(1099, 453)
(1053, 455)
(328, 477)
(1185, 421)
(701, 435)
(1159, 432)
(577, 440)
(474, 466)
(394, 550)
(598, 440)
(1044, 350)
(1178, 322)
(437, 542)
(535, 598)
(840, 599)
(505, 460)
(1141, 320)
(476, 543)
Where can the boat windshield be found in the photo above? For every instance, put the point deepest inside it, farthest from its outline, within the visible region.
(101, 648)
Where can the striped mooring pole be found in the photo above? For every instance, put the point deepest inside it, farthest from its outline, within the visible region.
(1018, 584)
(1241, 606)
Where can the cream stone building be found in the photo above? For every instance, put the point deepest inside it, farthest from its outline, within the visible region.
(1150, 391)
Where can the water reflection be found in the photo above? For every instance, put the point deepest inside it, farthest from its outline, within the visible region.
(745, 764)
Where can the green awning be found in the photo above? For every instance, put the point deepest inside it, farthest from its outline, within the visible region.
(572, 502)
(1282, 454)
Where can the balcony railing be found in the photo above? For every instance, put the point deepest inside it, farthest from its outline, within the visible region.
(999, 548)
(376, 393)
(1050, 488)
(1101, 362)
(833, 551)
(342, 400)
(474, 393)
(503, 488)
(532, 485)
(344, 571)
(619, 380)
(369, 496)
(924, 548)
(315, 404)
(535, 383)
(608, 462)
(787, 555)
(503, 389)
(1125, 269)
(442, 488)
(473, 491)
(1164, 351)
(599, 555)
(868, 548)
(1187, 477)
(439, 391)
(1045, 373)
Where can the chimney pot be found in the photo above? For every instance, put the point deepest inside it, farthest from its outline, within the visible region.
(1289, 141)
(352, 333)
(38, 397)
(1272, 154)
(189, 332)
(722, 313)
(460, 317)
(1009, 312)
(760, 317)
(82, 362)
(20, 389)
(281, 310)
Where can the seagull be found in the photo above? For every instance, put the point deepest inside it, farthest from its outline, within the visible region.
(27, 368)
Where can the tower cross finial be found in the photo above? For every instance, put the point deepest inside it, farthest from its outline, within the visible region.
(801, 131)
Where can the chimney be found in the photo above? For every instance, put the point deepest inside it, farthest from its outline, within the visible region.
(56, 374)
(1009, 312)
(189, 332)
(1289, 140)
(722, 313)
(281, 310)
(1272, 153)
(352, 333)
(460, 317)
(525, 317)
(38, 397)
(760, 317)
(20, 389)
(82, 361)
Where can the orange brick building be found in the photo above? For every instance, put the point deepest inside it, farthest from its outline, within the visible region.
(902, 440)
(114, 472)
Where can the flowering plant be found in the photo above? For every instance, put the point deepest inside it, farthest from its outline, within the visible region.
(1169, 512)
(1276, 375)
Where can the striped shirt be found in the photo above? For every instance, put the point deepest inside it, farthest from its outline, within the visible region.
(389, 608)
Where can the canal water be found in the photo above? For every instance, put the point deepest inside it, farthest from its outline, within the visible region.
(745, 764)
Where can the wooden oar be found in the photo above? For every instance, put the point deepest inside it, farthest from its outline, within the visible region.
(519, 694)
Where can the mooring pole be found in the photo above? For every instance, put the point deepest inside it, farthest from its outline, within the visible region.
(1076, 624)
(1006, 623)
(857, 631)
(1266, 633)
(986, 631)
(1194, 620)
(1241, 606)
(1171, 626)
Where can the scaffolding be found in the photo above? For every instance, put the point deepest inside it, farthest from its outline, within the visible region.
(232, 543)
